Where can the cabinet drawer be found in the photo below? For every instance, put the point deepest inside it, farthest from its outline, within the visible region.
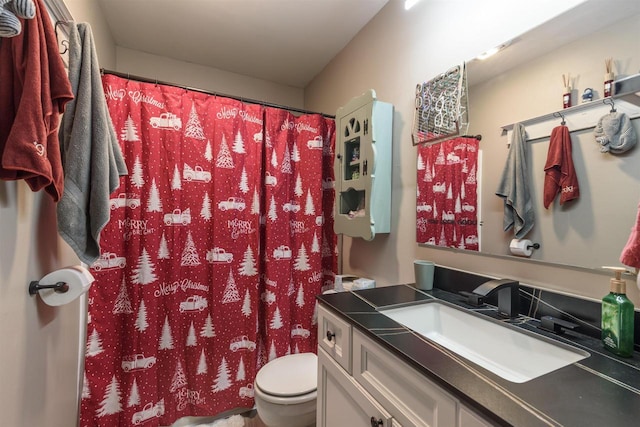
(409, 397)
(342, 402)
(334, 336)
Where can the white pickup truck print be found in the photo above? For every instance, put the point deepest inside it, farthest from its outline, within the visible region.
(196, 174)
(178, 217)
(137, 361)
(109, 260)
(217, 255)
(166, 121)
(122, 200)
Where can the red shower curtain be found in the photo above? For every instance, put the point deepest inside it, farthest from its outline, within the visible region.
(193, 288)
(447, 199)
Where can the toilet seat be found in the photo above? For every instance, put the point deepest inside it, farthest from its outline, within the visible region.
(289, 379)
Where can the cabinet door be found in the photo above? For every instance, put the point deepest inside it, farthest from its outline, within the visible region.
(467, 418)
(334, 336)
(404, 392)
(342, 402)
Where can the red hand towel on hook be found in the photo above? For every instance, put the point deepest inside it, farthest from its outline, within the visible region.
(560, 175)
(34, 89)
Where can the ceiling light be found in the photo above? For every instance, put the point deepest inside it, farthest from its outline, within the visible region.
(484, 55)
(408, 4)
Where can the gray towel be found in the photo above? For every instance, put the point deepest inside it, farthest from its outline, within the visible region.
(514, 186)
(91, 157)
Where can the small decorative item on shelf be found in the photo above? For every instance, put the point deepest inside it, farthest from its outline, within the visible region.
(587, 95)
(566, 97)
(608, 77)
(355, 155)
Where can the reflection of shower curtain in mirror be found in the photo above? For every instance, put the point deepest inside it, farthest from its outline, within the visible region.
(220, 238)
(446, 202)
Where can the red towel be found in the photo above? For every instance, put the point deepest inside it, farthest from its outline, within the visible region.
(560, 175)
(631, 252)
(34, 89)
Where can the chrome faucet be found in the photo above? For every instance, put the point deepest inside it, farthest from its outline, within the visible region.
(508, 295)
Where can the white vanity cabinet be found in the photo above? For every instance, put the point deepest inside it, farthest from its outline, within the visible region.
(380, 389)
(362, 167)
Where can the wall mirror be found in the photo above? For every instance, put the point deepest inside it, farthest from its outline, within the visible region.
(523, 83)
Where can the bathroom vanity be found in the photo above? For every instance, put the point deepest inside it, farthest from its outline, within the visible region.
(375, 371)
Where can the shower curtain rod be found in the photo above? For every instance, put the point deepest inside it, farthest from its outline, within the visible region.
(208, 92)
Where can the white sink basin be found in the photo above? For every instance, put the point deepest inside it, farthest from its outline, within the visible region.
(513, 354)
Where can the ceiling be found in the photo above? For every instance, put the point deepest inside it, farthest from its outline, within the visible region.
(283, 41)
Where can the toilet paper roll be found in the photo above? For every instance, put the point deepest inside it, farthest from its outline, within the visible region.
(78, 279)
(521, 247)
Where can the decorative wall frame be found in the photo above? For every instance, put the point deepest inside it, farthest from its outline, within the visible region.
(441, 107)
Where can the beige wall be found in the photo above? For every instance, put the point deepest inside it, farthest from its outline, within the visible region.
(394, 52)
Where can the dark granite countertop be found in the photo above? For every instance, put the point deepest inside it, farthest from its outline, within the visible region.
(601, 390)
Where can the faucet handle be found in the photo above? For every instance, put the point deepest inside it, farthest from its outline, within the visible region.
(557, 326)
(473, 299)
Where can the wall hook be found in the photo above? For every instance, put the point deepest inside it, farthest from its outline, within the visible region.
(611, 102)
(560, 116)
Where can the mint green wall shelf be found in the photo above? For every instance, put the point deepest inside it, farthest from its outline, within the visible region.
(364, 133)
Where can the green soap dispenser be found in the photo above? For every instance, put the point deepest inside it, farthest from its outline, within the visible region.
(617, 317)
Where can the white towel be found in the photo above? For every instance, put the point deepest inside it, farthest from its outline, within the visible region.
(91, 156)
(514, 186)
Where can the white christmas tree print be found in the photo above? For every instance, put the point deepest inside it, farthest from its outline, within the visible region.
(272, 351)
(420, 162)
(435, 209)
(240, 375)
(273, 214)
(163, 249)
(134, 394)
(189, 253)
(144, 273)
(179, 379)
(86, 391)
(205, 212)
(191, 336)
(222, 381)
(238, 144)
(286, 162)
(136, 174)
(230, 291)
(208, 152)
(450, 193)
(129, 131)
(176, 182)
(276, 320)
(122, 304)
(296, 349)
(207, 330)
(291, 289)
(461, 245)
(309, 208)
(141, 319)
(224, 159)
(462, 193)
(94, 344)
(428, 174)
(166, 340)
(154, 204)
(315, 245)
(298, 188)
(458, 207)
(255, 203)
(111, 402)
(300, 297)
(248, 265)
(202, 364)
(194, 128)
(274, 159)
(471, 178)
(244, 181)
(246, 305)
(443, 239)
(465, 168)
(440, 159)
(295, 154)
(302, 261)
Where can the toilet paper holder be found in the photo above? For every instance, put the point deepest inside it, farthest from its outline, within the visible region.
(62, 286)
(35, 287)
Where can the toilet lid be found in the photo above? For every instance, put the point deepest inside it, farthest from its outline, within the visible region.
(290, 375)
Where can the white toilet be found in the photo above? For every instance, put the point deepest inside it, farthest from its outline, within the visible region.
(285, 391)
